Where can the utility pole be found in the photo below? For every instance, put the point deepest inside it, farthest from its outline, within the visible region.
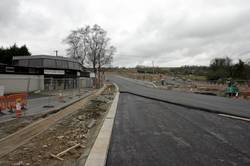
(56, 52)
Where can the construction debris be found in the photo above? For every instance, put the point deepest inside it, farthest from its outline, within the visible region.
(68, 139)
(91, 123)
(20, 163)
(60, 137)
(55, 156)
(65, 151)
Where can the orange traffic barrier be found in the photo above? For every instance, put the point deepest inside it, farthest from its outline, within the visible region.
(3, 103)
(23, 99)
(10, 101)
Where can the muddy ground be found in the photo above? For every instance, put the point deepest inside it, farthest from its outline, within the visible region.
(79, 128)
(9, 127)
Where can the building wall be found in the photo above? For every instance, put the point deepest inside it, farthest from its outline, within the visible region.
(21, 83)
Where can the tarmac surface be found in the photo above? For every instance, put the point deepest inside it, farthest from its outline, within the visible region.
(149, 132)
(208, 103)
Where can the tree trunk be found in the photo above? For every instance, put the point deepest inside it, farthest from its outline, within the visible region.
(94, 68)
(99, 76)
(99, 71)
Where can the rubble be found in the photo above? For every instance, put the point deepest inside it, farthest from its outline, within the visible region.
(91, 123)
(20, 163)
(80, 117)
(60, 137)
(67, 139)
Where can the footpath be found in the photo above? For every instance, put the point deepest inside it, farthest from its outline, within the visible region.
(37, 105)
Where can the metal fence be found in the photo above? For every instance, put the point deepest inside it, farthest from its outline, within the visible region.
(67, 83)
(38, 94)
(60, 83)
(39, 83)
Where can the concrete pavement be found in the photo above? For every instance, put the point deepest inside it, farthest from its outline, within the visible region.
(36, 105)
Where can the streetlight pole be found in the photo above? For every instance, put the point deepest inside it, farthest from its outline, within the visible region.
(56, 52)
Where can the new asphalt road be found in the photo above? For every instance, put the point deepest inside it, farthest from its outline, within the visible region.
(152, 132)
(204, 102)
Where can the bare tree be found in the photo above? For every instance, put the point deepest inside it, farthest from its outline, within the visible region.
(75, 49)
(91, 46)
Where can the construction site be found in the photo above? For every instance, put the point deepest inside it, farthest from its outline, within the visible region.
(70, 121)
(124, 83)
(58, 136)
(187, 83)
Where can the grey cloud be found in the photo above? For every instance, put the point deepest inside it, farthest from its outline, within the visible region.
(21, 23)
(171, 33)
(193, 38)
(8, 11)
(216, 25)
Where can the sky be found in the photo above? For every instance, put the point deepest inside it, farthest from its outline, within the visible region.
(167, 33)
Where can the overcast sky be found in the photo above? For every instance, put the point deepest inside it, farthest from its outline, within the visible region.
(168, 32)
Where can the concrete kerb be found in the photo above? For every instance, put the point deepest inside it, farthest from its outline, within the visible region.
(99, 151)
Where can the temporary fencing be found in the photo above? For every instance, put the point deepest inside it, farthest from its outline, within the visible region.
(9, 102)
(3, 103)
(35, 83)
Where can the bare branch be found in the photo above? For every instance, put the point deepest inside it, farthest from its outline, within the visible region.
(90, 45)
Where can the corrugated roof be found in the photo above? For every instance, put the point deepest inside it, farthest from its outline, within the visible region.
(44, 57)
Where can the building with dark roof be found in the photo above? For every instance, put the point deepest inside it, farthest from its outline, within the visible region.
(46, 61)
(55, 72)
(51, 65)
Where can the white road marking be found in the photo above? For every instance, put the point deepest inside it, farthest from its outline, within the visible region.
(235, 117)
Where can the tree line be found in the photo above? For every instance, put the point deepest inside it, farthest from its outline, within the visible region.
(220, 69)
(7, 53)
(224, 68)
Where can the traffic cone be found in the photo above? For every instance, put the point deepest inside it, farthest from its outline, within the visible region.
(18, 108)
(61, 98)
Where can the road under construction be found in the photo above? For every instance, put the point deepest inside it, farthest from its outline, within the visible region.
(162, 127)
(140, 125)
